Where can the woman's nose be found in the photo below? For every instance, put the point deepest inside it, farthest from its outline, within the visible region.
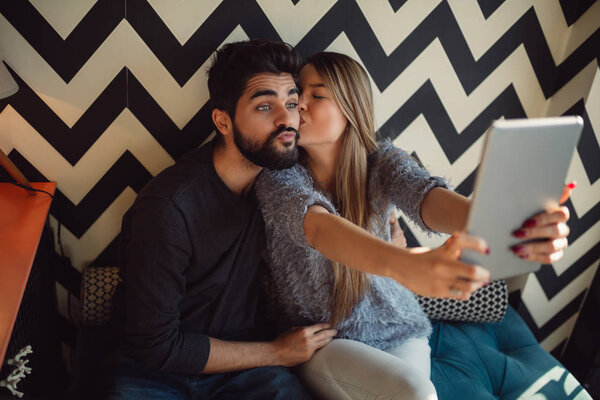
(301, 104)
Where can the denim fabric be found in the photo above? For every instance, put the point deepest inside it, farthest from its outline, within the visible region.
(128, 380)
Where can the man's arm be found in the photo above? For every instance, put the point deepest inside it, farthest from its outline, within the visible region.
(153, 263)
(154, 253)
(291, 348)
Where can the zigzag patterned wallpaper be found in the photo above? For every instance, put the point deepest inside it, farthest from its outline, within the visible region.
(113, 91)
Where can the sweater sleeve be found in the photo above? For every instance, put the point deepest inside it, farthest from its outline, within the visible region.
(284, 198)
(153, 259)
(403, 181)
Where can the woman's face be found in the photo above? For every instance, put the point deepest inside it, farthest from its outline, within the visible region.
(321, 120)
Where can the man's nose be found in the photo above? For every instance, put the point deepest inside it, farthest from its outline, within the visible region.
(287, 117)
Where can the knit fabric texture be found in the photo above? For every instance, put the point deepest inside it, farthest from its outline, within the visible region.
(303, 279)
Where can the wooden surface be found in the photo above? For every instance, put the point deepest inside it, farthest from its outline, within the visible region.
(22, 218)
(13, 170)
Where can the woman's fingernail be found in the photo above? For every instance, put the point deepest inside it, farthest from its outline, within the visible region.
(524, 256)
(487, 251)
(486, 283)
(530, 223)
(572, 185)
(517, 249)
(520, 233)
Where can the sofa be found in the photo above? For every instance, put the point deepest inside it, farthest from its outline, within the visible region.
(494, 360)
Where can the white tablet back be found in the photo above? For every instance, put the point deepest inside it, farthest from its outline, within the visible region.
(522, 173)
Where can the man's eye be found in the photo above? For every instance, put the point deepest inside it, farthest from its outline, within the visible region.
(265, 107)
(292, 106)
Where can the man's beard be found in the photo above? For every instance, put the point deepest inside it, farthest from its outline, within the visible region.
(267, 155)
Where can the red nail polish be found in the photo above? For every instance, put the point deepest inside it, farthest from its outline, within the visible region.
(487, 251)
(572, 185)
(523, 256)
(517, 249)
(486, 283)
(520, 233)
(530, 223)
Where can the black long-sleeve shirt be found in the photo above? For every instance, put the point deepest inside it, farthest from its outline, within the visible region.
(189, 255)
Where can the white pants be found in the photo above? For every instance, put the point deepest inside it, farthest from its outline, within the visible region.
(346, 369)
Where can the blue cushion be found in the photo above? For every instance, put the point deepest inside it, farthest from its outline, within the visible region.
(496, 360)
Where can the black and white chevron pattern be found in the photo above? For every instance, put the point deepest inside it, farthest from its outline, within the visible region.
(113, 91)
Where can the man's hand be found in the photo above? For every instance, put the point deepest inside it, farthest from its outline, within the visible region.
(291, 348)
(396, 234)
(298, 345)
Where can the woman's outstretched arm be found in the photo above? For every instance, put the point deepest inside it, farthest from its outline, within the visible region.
(436, 272)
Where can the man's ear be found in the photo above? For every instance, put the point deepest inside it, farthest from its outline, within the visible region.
(222, 121)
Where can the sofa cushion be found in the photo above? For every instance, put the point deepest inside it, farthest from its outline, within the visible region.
(468, 360)
(496, 360)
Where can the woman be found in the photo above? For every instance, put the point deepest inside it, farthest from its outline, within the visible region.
(335, 205)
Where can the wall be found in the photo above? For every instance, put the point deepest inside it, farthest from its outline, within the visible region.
(113, 91)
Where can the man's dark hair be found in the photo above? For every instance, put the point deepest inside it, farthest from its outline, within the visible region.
(236, 63)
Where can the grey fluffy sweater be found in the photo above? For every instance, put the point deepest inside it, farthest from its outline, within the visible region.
(303, 278)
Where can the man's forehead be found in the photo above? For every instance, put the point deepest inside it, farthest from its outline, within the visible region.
(271, 81)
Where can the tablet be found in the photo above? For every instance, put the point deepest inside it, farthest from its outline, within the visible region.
(522, 173)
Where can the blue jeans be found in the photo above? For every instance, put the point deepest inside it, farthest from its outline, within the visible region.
(128, 380)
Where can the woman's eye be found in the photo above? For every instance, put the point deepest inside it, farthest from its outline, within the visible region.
(292, 106)
(265, 107)
(318, 97)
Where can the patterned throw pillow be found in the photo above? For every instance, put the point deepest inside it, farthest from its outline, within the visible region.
(487, 304)
(98, 288)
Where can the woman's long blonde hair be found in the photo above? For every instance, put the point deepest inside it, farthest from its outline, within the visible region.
(349, 85)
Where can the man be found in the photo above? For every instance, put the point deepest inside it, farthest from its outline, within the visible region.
(191, 247)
